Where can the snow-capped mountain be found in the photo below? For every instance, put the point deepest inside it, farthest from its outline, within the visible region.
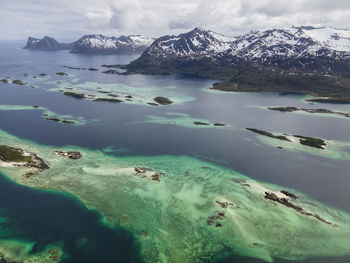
(99, 44)
(284, 42)
(298, 48)
(47, 44)
(195, 43)
(94, 44)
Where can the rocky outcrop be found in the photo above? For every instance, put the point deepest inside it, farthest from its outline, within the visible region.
(74, 155)
(215, 217)
(162, 100)
(288, 203)
(269, 134)
(144, 172)
(201, 123)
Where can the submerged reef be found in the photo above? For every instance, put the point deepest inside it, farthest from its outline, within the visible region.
(184, 120)
(182, 209)
(48, 115)
(153, 96)
(13, 251)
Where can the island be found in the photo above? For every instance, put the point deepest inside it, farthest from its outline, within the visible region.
(307, 141)
(294, 109)
(162, 100)
(332, 100)
(269, 134)
(18, 157)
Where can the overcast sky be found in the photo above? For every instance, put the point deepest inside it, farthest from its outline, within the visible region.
(70, 19)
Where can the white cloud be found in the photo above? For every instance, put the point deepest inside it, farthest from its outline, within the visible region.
(73, 18)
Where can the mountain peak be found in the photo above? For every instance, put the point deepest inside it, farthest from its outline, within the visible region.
(46, 43)
(100, 44)
(294, 48)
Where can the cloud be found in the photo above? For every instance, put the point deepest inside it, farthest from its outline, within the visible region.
(73, 18)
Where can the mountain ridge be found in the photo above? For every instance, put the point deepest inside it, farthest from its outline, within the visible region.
(94, 44)
(285, 55)
(46, 44)
(100, 44)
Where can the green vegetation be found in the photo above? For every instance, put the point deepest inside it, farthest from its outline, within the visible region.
(312, 142)
(43, 75)
(258, 79)
(9, 154)
(5, 80)
(269, 134)
(162, 100)
(247, 78)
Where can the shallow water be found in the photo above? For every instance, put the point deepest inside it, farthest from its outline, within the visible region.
(46, 218)
(126, 129)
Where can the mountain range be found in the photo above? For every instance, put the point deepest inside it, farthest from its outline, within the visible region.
(94, 44)
(295, 59)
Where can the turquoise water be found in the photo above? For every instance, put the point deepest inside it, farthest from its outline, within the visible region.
(47, 218)
(137, 129)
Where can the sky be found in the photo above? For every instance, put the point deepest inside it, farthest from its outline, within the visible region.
(70, 19)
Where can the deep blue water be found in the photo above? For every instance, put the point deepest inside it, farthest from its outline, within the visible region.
(47, 218)
(122, 126)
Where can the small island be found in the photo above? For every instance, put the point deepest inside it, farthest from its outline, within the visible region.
(312, 142)
(303, 140)
(332, 100)
(294, 109)
(162, 100)
(19, 82)
(74, 94)
(19, 157)
(108, 100)
(201, 123)
(269, 134)
(63, 74)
